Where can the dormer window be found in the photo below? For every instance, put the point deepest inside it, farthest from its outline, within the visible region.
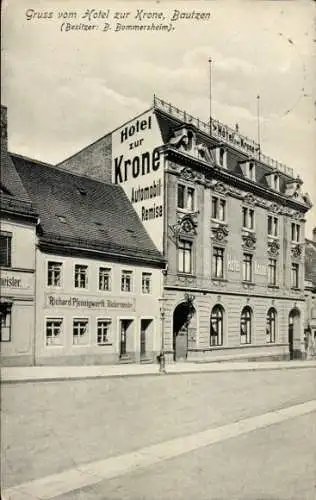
(252, 171)
(249, 170)
(275, 182)
(221, 156)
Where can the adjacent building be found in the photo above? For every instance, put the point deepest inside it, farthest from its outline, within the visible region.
(17, 262)
(229, 220)
(98, 274)
(310, 296)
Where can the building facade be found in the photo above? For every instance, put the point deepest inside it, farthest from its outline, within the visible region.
(231, 224)
(310, 296)
(98, 274)
(17, 264)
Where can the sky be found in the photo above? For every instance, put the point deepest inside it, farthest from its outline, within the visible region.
(64, 90)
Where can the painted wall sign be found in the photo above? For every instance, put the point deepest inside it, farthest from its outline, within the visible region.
(138, 167)
(76, 302)
(233, 264)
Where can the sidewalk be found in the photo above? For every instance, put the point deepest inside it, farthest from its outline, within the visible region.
(48, 373)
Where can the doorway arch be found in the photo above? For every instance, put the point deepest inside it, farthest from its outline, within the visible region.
(182, 321)
(294, 331)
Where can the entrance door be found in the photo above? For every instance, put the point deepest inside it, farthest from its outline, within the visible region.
(145, 337)
(123, 336)
(181, 321)
(291, 343)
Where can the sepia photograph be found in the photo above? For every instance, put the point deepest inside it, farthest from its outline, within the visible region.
(158, 250)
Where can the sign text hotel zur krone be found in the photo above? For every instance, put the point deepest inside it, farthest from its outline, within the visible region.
(138, 167)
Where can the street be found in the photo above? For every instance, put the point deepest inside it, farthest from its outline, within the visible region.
(52, 427)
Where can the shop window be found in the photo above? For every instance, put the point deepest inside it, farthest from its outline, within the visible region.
(273, 226)
(185, 198)
(248, 218)
(104, 279)
(216, 326)
(54, 270)
(218, 208)
(295, 275)
(5, 249)
(146, 283)
(247, 267)
(81, 276)
(272, 272)
(185, 256)
(80, 331)
(246, 325)
(218, 263)
(295, 232)
(271, 326)
(126, 281)
(103, 331)
(53, 331)
(5, 322)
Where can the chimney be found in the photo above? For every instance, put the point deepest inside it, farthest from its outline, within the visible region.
(314, 234)
(4, 129)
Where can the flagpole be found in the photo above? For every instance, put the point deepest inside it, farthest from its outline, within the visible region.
(210, 63)
(258, 123)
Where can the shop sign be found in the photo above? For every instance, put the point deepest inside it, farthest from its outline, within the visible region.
(16, 281)
(89, 302)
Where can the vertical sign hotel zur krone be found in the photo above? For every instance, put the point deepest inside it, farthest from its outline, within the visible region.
(138, 167)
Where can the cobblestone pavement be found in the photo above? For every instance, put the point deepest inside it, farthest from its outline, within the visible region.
(48, 427)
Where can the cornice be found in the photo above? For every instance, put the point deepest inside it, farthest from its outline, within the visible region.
(234, 181)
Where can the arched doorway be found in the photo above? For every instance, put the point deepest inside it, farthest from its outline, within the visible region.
(294, 332)
(182, 323)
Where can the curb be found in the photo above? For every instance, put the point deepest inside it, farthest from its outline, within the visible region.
(188, 371)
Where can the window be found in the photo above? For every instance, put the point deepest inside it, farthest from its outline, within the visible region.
(103, 331)
(295, 275)
(247, 267)
(218, 263)
(275, 182)
(81, 276)
(245, 325)
(53, 331)
(54, 273)
(146, 282)
(295, 232)
(5, 249)
(80, 331)
(218, 208)
(126, 281)
(181, 192)
(216, 326)
(252, 171)
(185, 256)
(272, 271)
(248, 217)
(222, 157)
(185, 197)
(104, 279)
(271, 326)
(273, 224)
(5, 322)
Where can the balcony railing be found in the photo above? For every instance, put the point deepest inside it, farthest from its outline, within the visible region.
(225, 134)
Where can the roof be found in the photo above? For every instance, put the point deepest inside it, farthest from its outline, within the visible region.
(310, 261)
(169, 124)
(85, 213)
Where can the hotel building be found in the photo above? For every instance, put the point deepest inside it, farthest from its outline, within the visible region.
(230, 222)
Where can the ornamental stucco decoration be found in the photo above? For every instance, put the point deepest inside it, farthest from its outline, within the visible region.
(250, 199)
(186, 224)
(296, 251)
(188, 174)
(220, 232)
(273, 247)
(275, 208)
(249, 241)
(220, 187)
